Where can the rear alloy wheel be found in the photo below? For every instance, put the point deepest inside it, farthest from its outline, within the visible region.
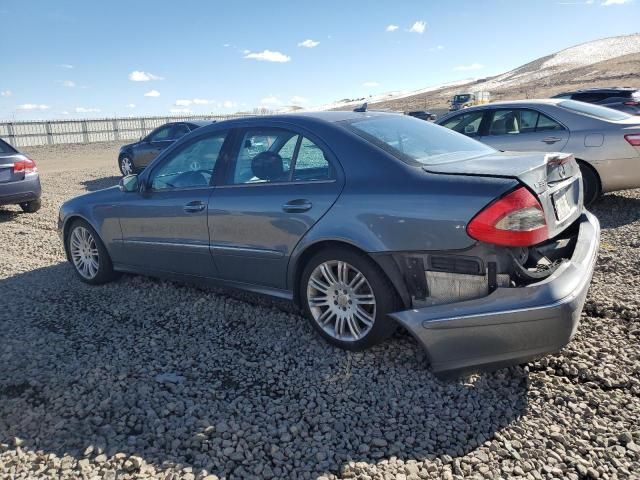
(31, 207)
(88, 255)
(590, 184)
(126, 165)
(347, 298)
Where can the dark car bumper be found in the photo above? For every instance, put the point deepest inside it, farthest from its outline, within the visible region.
(21, 191)
(512, 325)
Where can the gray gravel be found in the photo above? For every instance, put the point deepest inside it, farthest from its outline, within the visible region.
(146, 378)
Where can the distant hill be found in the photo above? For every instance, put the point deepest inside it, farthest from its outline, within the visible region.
(613, 61)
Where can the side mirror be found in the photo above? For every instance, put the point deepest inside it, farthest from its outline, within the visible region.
(129, 183)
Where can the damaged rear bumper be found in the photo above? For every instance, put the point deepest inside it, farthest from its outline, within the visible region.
(511, 325)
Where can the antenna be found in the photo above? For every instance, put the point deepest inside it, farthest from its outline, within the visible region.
(361, 108)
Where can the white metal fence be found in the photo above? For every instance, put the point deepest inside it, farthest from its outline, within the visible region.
(52, 132)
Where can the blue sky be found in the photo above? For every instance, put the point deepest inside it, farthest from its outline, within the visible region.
(77, 58)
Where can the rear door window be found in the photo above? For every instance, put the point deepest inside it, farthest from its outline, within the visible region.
(521, 121)
(311, 163)
(161, 134)
(179, 130)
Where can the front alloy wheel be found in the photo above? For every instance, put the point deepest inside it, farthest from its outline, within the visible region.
(87, 254)
(84, 252)
(126, 166)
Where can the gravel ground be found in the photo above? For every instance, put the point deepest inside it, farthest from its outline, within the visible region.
(146, 378)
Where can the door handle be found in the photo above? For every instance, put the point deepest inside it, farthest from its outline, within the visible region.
(297, 206)
(194, 207)
(551, 139)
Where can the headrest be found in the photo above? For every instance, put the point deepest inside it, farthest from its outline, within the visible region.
(267, 166)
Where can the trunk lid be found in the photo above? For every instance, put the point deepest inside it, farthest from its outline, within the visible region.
(553, 177)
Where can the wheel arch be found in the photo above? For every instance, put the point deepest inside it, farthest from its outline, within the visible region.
(67, 225)
(593, 169)
(384, 262)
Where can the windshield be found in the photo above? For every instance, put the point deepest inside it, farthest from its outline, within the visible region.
(597, 111)
(461, 98)
(413, 140)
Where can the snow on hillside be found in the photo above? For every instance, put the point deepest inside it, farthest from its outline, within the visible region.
(594, 52)
(540, 70)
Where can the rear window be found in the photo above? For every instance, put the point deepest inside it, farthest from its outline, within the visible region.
(603, 113)
(413, 140)
(6, 148)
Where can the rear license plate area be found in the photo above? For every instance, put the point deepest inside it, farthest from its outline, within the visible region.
(6, 174)
(563, 202)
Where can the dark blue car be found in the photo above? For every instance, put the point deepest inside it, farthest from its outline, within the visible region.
(365, 220)
(135, 156)
(19, 179)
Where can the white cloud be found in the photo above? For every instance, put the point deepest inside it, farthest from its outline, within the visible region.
(436, 49)
(69, 83)
(6, 93)
(392, 28)
(179, 110)
(309, 43)
(33, 106)
(608, 3)
(472, 66)
(229, 104)
(87, 110)
(271, 100)
(370, 84)
(139, 76)
(185, 102)
(226, 45)
(131, 105)
(65, 65)
(64, 112)
(418, 27)
(268, 56)
(297, 100)
(152, 93)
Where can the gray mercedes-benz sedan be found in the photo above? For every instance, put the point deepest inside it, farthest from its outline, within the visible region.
(605, 142)
(365, 220)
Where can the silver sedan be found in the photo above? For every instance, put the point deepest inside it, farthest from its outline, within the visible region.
(605, 142)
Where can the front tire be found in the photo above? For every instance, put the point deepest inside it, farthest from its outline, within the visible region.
(346, 297)
(31, 207)
(88, 255)
(126, 165)
(590, 184)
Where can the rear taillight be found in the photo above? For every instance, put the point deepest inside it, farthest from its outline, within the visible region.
(632, 103)
(515, 220)
(26, 165)
(633, 139)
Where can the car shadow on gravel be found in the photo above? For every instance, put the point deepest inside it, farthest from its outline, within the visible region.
(8, 215)
(184, 377)
(616, 210)
(100, 183)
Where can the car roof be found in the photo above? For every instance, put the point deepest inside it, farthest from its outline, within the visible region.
(200, 123)
(311, 117)
(600, 89)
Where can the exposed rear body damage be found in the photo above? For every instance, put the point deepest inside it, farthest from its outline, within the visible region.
(512, 324)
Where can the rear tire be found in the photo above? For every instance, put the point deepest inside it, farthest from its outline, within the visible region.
(347, 299)
(590, 184)
(88, 255)
(31, 207)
